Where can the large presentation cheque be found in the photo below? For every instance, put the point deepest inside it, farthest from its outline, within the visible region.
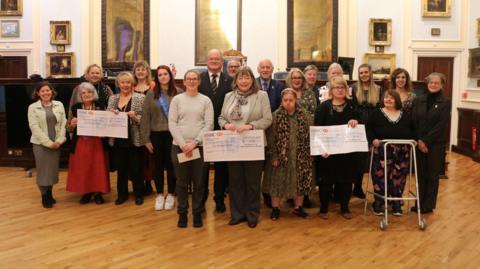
(337, 139)
(102, 123)
(221, 146)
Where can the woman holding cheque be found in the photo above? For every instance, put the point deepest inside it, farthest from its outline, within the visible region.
(338, 169)
(88, 163)
(245, 108)
(190, 116)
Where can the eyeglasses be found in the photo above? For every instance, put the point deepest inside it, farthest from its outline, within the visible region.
(191, 79)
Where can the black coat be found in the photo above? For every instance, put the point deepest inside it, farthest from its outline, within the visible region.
(430, 125)
(224, 86)
(338, 168)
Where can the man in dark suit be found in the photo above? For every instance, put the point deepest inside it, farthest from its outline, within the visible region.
(215, 84)
(274, 89)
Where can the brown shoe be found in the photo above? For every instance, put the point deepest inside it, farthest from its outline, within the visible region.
(323, 215)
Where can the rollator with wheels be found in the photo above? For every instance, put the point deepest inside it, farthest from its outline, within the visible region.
(410, 196)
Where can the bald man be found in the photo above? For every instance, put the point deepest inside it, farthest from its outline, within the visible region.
(215, 84)
(273, 87)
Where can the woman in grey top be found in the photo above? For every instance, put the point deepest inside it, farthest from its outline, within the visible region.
(155, 134)
(190, 116)
(245, 108)
(47, 120)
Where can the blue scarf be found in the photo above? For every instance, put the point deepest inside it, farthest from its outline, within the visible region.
(162, 102)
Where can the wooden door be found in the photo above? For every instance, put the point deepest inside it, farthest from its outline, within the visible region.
(13, 67)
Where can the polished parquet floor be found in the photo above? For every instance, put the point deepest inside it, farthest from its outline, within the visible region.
(107, 236)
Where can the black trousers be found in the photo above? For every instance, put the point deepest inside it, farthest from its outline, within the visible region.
(245, 178)
(430, 167)
(189, 172)
(162, 149)
(343, 190)
(220, 181)
(129, 162)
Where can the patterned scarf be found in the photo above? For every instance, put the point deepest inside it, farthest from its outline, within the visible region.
(282, 137)
(240, 100)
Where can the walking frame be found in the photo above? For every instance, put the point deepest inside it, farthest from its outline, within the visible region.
(410, 194)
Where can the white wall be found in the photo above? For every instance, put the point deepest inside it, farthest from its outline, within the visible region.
(55, 10)
(367, 9)
(449, 27)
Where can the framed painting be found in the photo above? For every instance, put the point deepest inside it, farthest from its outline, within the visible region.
(312, 33)
(382, 64)
(10, 28)
(217, 26)
(60, 33)
(125, 33)
(380, 32)
(11, 7)
(60, 65)
(474, 63)
(437, 8)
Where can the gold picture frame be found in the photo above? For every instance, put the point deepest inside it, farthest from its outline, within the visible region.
(382, 64)
(218, 25)
(380, 32)
(11, 7)
(125, 33)
(60, 33)
(474, 63)
(60, 65)
(312, 38)
(437, 8)
(10, 28)
(478, 28)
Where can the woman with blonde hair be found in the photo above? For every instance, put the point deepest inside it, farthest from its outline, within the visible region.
(366, 98)
(94, 74)
(334, 70)
(128, 151)
(338, 169)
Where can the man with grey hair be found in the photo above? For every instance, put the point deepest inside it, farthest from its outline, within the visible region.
(267, 83)
(232, 66)
(215, 84)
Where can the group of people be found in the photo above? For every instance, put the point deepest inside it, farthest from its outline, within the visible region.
(166, 123)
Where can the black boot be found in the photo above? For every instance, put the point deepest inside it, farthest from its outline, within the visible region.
(182, 220)
(50, 196)
(148, 188)
(197, 220)
(46, 203)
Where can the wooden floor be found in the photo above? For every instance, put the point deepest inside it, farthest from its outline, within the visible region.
(107, 236)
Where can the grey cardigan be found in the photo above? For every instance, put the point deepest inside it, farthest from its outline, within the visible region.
(260, 116)
(137, 106)
(152, 117)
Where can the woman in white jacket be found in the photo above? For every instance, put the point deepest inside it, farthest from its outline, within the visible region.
(46, 118)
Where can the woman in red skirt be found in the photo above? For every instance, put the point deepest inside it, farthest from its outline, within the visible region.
(88, 164)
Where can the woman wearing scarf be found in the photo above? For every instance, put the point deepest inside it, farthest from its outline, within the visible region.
(289, 164)
(245, 108)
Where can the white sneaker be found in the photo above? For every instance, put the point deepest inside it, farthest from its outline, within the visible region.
(159, 202)
(169, 202)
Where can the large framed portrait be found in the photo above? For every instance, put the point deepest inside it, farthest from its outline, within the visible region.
(60, 65)
(312, 33)
(437, 8)
(11, 7)
(10, 28)
(125, 33)
(380, 32)
(474, 63)
(60, 33)
(217, 26)
(382, 64)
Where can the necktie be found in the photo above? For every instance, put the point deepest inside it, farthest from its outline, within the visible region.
(214, 83)
(265, 86)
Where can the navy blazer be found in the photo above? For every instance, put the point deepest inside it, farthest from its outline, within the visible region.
(224, 86)
(274, 92)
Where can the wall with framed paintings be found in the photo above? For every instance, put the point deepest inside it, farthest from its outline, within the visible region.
(447, 18)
